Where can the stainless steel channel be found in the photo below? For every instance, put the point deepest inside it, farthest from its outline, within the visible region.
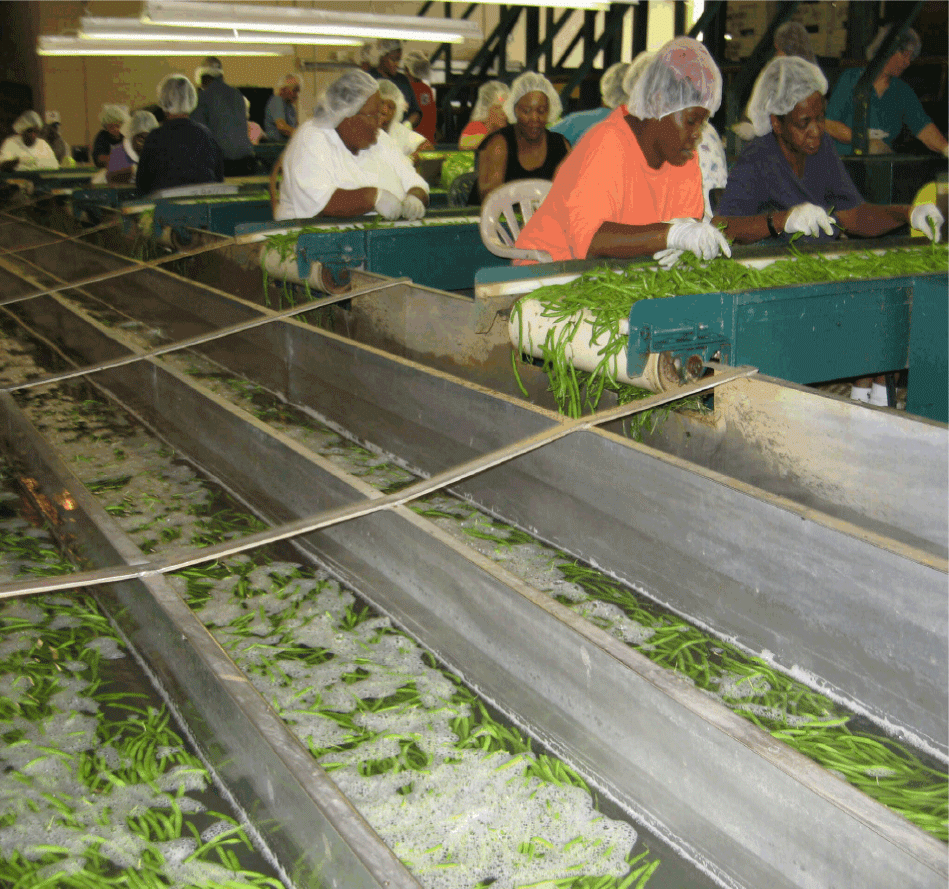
(736, 800)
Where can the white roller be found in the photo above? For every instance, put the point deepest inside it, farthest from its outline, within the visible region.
(287, 269)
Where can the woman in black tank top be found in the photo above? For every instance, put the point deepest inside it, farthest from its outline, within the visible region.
(524, 149)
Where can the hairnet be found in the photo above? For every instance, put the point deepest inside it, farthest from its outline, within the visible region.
(681, 75)
(177, 95)
(386, 45)
(785, 81)
(286, 80)
(28, 120)
(491, 93)
(388, 90)
(611, 85)
(139, 122)
(793, 40)
(112, 114)
(909, 40)
(417, 64)
(344, 97)
(529, 82)
(210, 67)
(636, 67)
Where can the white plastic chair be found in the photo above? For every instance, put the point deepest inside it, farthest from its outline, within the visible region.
(499, 217)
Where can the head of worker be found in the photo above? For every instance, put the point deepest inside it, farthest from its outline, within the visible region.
(27, 126)
(612, 92)
(288, 88)
(111, 119)
(531, 104)
(908, 47)
(788, 100)
(209, 70)
(417, 65)
(489, 106)
(352, 106)
(792, 39)
(671, 100)
(392, 105)
(134, 131)
(177, 96)
(390, 56)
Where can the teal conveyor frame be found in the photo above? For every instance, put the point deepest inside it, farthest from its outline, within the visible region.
(219, 215)
(46, 181)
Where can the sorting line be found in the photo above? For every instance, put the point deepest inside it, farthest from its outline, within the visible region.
(141, 569)
(61, 239)
(197, 340)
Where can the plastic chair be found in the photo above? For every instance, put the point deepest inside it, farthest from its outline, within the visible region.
(504, 211)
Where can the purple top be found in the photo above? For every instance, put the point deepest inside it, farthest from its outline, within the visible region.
(762, 180)
(119, 159)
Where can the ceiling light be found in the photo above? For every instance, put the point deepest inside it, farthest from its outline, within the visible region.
(133, 29)
(81, 46)
(292, 20)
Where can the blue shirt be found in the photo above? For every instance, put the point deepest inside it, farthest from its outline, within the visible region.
(762, 180)
(898, 105)
(222, 110)
(278, 109)
(573, 126)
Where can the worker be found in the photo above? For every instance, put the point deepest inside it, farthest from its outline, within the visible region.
(792, 175)
(892, 102)
(387, 68)
(487, 116)
(792, 39)
(123, 160)
(26, 150)
(410, 142)
(54, 138)
(280, 115)
(632, 186)
(222, 110)
(111, 118)
(612, 95)
(180, 151)
(342, 164)
(525, 148)
(418, 69)
(255, 131)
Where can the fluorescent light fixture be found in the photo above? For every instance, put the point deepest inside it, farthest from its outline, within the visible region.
(132, 29)
(81, 46)
(582, 5)
(289, 20)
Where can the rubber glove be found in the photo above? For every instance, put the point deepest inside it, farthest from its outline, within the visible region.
(667, 258)
(924, 218)
(877, 134)
(809, 219)
(701, 238)
(387, 205)
(412, 207)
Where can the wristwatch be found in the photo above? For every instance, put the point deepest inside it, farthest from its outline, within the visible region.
(771, 229)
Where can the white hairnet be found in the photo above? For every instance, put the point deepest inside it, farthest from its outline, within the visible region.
(529, 82)
(494, 92)
(344, 97)
(909, 40)
(28, 120)
(793, 40)
(417, 64)
(386, 45)
(177, 95)
(112, 114)
(785, 81)
(139, 122)
(611, 85)
(636, 67)
(681, 75)
(210, 67)
(388, 90)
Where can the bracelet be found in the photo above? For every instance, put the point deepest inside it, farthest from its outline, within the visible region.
(771, 229)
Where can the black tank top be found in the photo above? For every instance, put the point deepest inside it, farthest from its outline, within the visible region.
(557, 149)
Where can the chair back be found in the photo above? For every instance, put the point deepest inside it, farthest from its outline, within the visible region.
(506, 210)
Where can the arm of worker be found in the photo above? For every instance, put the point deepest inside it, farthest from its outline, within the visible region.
(492, 165)
(748, 229)
(620, 241)
(284, 128)
(873, 220)
(930, 136)
(347, 202)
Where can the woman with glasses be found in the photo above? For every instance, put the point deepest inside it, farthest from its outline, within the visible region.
(341, 163)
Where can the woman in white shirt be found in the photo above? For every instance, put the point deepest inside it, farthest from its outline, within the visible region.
(393, 110)
(339, 163)
(26, 150)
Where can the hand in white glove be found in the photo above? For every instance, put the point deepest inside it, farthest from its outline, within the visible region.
(809, 219)
(925, 218)
(877, 134)
(387, 205)
(412, 207)
(667, 258)
(701, 238)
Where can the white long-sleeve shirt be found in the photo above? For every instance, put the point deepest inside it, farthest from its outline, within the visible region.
(38, 156)
(317, 163)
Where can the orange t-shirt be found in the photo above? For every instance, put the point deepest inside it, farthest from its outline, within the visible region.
(606, 179)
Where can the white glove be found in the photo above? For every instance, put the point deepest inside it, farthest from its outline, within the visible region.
(667, 258)
(387, 205)
(924, 218)
(412, 207)
(877, 134)
(701, 238)
(809, 219)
